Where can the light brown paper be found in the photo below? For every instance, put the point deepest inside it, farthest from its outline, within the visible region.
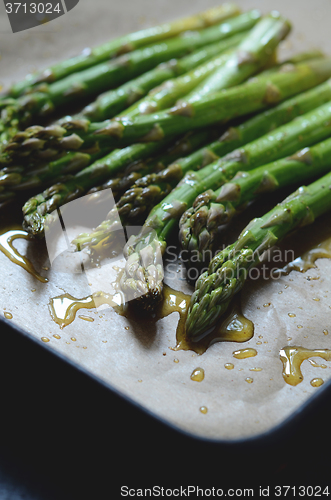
(123, 353)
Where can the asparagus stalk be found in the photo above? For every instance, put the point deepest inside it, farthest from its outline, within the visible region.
(36, 208)
(166, 95)
(19, 178)
(217, 108)
(115, 101)
(250, 56)
(215, 208)
(229, 269)
(145, 191)
(18, 113)
(162, 220)
(122, 45)
(142, 168)
(99, 78)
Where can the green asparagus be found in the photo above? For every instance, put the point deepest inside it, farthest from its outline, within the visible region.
(215, 208)
(17, 113)
(37, 207)
(249, 57)
(148, 190)
(226, 69)
(142, 168)
(113, 102)
(229, 269)
(219, 107)
(20, 178)
(162, 220)
(122, 45)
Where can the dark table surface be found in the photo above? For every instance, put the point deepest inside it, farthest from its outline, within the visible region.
(65, 436)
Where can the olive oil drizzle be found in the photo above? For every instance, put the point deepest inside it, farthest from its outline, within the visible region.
(307, 259)
(8, 249)
(292, 358)
(234, 328)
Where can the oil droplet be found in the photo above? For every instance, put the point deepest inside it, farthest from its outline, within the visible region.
(84, 347)
(292, 358)
(316, 365)
(56, 336)
(203, 409)
(8, 315)
(198, 375)
(45, 339)
(280, 292)
(307, 259)
(63, 308)
(267, 304)
(86, 318)
(256, 369)
(316, 299)
(317, 382)
(139, 380)
(73, 339)
(127, 328)
(176, 360)
(299, 326)
(229, 366)
(292, 315)
(245, 353)
(326, 332)
(8, 249)
(259, 342)
(33, 289)
(249, 380)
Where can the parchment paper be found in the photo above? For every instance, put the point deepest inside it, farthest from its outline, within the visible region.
(122, 352)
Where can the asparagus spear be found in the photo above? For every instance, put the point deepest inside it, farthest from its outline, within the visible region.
(19, 113)
(228, 270)
(115, 101)
(97, 79)
(37, 207)
(250, 56)
(233, 138)
(19, 178)
(146, 191)
(215, 208)
(217, 108)
(142, 168)
(122, 45)
(166, 95)
(162, 220)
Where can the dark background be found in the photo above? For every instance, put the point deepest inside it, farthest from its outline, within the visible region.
(65, 436)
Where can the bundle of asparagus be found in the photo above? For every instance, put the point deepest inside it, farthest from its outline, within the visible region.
(44, 99)
(228, 270)
(149, 190)
(306, 130)
(170, 133)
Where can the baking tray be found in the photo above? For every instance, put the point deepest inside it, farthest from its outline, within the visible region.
(25, 53)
